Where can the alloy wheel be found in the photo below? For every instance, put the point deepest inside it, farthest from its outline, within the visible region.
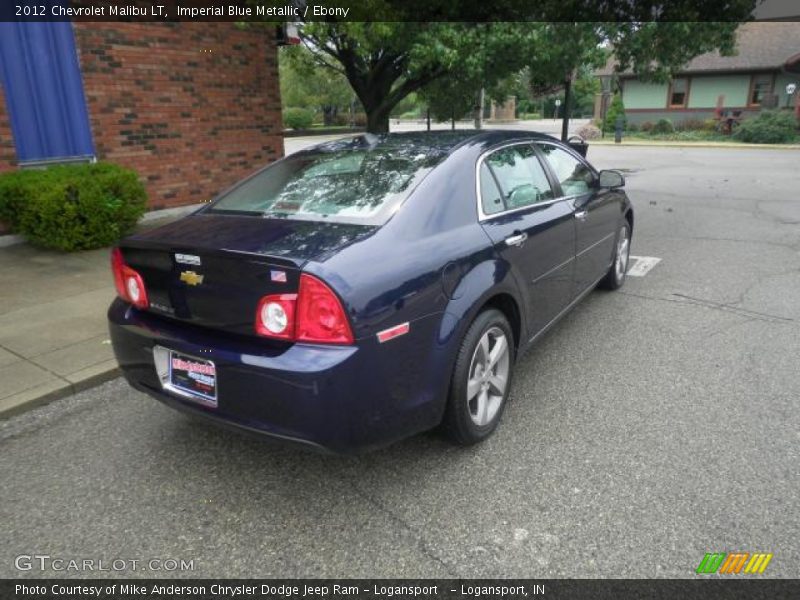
(488, 376)
(623, 249)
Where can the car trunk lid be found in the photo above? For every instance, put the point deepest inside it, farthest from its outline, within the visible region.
(211, 270)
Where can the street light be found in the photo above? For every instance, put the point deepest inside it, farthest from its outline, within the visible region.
(605, 88)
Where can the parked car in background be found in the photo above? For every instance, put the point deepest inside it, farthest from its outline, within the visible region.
(364, 290)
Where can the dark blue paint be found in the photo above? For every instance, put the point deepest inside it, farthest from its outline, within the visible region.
(432, 265)
(44, 91)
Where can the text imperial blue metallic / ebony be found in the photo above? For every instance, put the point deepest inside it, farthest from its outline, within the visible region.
(364, 290)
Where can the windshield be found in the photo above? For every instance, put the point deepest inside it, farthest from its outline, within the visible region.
(347, 183)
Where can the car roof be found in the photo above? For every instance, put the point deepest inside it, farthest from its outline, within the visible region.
(429, 142)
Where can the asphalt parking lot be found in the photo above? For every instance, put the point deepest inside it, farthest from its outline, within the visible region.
(651, 426)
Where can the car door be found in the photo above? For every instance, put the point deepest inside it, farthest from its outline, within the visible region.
(530, 228)
(596, 213)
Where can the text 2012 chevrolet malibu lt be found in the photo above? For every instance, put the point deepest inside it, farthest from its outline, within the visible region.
(365, 290)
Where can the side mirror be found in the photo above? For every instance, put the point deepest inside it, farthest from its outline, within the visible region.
(611, 180)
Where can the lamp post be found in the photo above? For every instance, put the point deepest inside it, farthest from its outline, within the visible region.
(605, 87)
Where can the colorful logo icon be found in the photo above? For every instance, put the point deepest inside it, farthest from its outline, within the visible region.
(733, 563)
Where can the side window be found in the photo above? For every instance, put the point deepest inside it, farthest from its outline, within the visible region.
(521, 177)
(491, 199)
(574, 176)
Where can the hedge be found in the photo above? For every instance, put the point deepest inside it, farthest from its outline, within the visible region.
(769, 127)
(72, 207)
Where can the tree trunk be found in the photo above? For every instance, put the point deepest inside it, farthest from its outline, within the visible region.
(377, 119)
(479, 111)
(567, 101)
(329, 115)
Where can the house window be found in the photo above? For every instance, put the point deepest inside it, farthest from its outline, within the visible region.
(760, 87)
(678, 92)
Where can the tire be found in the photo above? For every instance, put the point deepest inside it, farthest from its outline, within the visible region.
(471, 419)
(615, 278)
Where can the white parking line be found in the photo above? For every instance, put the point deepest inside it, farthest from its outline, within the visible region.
(641, 265)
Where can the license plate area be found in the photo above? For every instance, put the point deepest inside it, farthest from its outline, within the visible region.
(187, 376)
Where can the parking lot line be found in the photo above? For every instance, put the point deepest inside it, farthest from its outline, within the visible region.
(641, 265)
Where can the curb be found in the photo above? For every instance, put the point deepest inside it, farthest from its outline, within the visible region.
(678, 144)
(30, 399)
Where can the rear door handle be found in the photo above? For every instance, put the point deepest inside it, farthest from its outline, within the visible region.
(516, 239)
(581, 214)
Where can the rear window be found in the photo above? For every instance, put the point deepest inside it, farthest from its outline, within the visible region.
(355, 185)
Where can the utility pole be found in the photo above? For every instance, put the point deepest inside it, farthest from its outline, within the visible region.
(479, 110)
(566, 113)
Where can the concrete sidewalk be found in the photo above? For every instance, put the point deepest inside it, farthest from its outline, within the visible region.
(53, 339)
(53, 332)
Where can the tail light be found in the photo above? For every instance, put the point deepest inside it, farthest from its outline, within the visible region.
(129, 284)
(313, 315)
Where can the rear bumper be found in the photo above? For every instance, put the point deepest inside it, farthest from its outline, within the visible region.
(340, 398)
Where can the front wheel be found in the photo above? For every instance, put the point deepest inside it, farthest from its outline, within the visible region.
(481, 379)
(619, 268)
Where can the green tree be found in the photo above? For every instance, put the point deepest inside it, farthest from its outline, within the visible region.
(305, 84)
(615, 110)
(385, 61)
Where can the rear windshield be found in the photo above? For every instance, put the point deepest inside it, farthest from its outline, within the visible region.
(354, 184)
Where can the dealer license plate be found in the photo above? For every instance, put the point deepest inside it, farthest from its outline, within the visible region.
(195, 377)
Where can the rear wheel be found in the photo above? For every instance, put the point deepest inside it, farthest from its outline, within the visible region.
(616, 273)
(481, 379)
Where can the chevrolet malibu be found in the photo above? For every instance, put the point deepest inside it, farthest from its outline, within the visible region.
(364, 290)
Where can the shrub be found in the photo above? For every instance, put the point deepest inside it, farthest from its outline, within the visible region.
(690, 125)
(298, 118)
(589, 132)
(769, 127)
(360, 119)
(632, 127)
(529, 116)
(647, 126)
(72, 207)
(663, 126)
(616, 109)
(710, 125)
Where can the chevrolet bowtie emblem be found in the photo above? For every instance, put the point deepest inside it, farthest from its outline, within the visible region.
(191, 278)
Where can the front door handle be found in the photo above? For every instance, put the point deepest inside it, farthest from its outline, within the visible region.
(581, 214)
(517, 239)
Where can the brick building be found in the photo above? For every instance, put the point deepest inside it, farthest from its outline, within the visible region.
(192, 107)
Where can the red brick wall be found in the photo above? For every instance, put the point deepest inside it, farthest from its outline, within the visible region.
(8, 155)
(192, 107)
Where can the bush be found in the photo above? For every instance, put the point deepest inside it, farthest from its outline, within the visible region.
(647, 126)
(710, 125)
(529, 116)
(589, 132)
(72, 207)
(769, 127)
(616, 109)
(632, 128)
(298, 118)
(690, 125)
(662, 127)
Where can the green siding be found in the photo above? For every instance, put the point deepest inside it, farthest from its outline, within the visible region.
(705, 90)
(781, 81)
(636, 94)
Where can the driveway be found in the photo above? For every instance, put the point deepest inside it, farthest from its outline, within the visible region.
(651, 426)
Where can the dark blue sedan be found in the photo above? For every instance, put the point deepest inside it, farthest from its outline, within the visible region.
(365, 290)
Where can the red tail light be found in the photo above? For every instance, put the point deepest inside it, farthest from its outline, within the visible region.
(314, 315)
(129, 284)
